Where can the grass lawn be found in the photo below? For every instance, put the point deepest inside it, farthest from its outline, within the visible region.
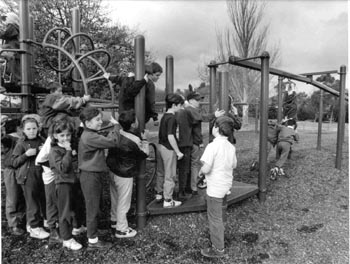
(305, 218)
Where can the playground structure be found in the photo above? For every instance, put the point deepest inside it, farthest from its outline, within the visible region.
(240, 191)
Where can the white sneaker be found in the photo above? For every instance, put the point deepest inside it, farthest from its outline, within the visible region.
(159, 197)
(128, 233)
(28, 228)
(46, 225)
(72, 244)
(38, 233)
(171, 203)
(78, 231)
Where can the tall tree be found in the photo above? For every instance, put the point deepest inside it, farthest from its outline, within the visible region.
(247, 37)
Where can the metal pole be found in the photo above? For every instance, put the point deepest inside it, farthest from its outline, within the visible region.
(25, 60)
(75, 30)
(264, 100)
(256, 116)
(31, 50)
(320, 117)
(169, 77)
(223, 91)
(279, 99)
(212, 94)
(341, 118)
(140, 109)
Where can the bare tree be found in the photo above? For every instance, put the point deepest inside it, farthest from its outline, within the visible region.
(246, 37)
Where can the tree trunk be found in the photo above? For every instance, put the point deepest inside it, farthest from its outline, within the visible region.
(245, 120)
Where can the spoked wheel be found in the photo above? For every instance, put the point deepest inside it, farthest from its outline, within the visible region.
(151, 166)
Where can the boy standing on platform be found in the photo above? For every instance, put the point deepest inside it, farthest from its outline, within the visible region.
(219, 160)
(169, 151)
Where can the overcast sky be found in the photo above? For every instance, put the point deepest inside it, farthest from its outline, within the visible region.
(312, 35)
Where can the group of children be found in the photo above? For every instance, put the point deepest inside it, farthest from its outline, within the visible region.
(58, 174)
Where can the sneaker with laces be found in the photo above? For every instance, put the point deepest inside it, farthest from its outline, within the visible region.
(281, 172)
(273, 174)
(124, 234)
(100, 244)
(159, 197)
(202, 184)
(38, 233)
(213, 252)
(72, 244)
(78, 231)
(171, 203)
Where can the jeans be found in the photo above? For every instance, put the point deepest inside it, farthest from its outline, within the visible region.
(168, 158)
(216, 224)
(65, 210)
(184, 166)
(195, 166)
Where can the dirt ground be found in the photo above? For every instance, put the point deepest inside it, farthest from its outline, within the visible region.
(304, 220)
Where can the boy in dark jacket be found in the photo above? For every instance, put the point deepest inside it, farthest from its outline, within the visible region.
(124, 163)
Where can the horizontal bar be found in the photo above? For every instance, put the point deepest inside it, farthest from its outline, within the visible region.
(319, 73)
(255, 66)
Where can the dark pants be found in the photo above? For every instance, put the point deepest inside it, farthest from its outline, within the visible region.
(65, 209)
(91, 186)
(216, 223)
(15, 204)
(78, 206)
(51, 204)
(34, 194)
(184, 166)
(283, 149)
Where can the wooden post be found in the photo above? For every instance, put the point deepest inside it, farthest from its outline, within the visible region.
(140, 109)
(169, 76)
(264, 100)
(25, 59)
(320, 119)
(76, 30)
(212, 94)
(279, 100)
(341, 118)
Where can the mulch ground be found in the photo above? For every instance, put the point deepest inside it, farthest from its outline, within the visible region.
(305, 218)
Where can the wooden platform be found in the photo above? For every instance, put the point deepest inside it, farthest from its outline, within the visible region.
(239, 192)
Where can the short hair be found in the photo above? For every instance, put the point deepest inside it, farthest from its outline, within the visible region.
(7, 142)
(53, 86)
(126, 118)
(225, 125)
(88, 113)
(60, 126)
(12, 125)
(153, 68)
(291, 122)
(173, 98)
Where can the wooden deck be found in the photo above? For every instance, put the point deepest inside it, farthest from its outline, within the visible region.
(239, 192)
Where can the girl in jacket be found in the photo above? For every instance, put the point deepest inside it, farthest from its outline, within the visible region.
(64, 165)
(29, 176)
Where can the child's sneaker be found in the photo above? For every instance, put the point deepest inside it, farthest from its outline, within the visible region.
(124, 234)
(113, 224)
(281, 172)
(273, 173)
(38, 233)
(159, 197)
(213, 252)
(202, 183)
(72, 244)
(171, 203)
(46, 225)
(78, 231)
